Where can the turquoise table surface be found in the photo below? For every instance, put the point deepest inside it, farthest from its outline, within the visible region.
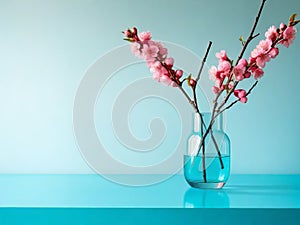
(269, 197)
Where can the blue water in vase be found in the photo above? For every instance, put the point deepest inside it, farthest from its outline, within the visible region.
(216, 177)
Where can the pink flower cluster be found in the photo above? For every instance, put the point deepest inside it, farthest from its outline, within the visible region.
(221, 73)
(156, 56)
(241, 94)
(226, 74)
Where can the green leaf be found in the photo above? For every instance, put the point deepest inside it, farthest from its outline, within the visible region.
(128, 39)
(296, 22)
(293, 17)
(292, 21)
(241, 39)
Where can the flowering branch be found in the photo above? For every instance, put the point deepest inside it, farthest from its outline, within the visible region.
(264, 52)
(226, 76)
(237, 100)
(251, 37)
(245, 45)
(215, 111)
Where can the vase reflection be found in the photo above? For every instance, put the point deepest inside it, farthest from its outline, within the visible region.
(201, 198)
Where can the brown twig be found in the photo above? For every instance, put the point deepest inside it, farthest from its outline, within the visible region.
(203, 61)
(196, 105)
(217, 149)
(188, 98)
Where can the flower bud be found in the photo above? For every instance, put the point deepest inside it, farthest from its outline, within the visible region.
(127, 33)
(247, 74)
(191, 82)
(134, 30)
(178, 73)
(282, 26)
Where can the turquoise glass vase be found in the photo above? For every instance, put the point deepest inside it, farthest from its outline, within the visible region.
(207, 162)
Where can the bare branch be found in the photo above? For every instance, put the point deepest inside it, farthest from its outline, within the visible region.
(203, 61)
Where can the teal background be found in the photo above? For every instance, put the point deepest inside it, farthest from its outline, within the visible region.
(47, 46)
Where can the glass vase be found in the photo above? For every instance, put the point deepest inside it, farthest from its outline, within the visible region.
(207, 159)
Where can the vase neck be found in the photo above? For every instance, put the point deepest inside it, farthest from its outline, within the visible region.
(218, 125)
(197, 122)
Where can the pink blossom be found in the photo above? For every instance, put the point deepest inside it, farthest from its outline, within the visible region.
(212, 72)
(151, 63)
(264, 46)
(262, 59)
(273, 52)
(252, 59)
(155, 55)
(166, 80)
(254, 54)
(220, 73)
(243, 99)
(169, 62)
(136, 49)
(240, 69)
(149, 52)
(164, 71)
(162, 50)
(156, 76)
(154, 65)
(238, 73)
(241, 94)
(262, 53)
(243, 62)
(222, 55)
(224, 66)
(257, 73)
(289, 36)
(173, 84)
(216, 89)
(145, 36)
(159, 74)
(158, 69)
(271, 33)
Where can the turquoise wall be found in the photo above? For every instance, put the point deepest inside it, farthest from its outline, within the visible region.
(46, 48)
